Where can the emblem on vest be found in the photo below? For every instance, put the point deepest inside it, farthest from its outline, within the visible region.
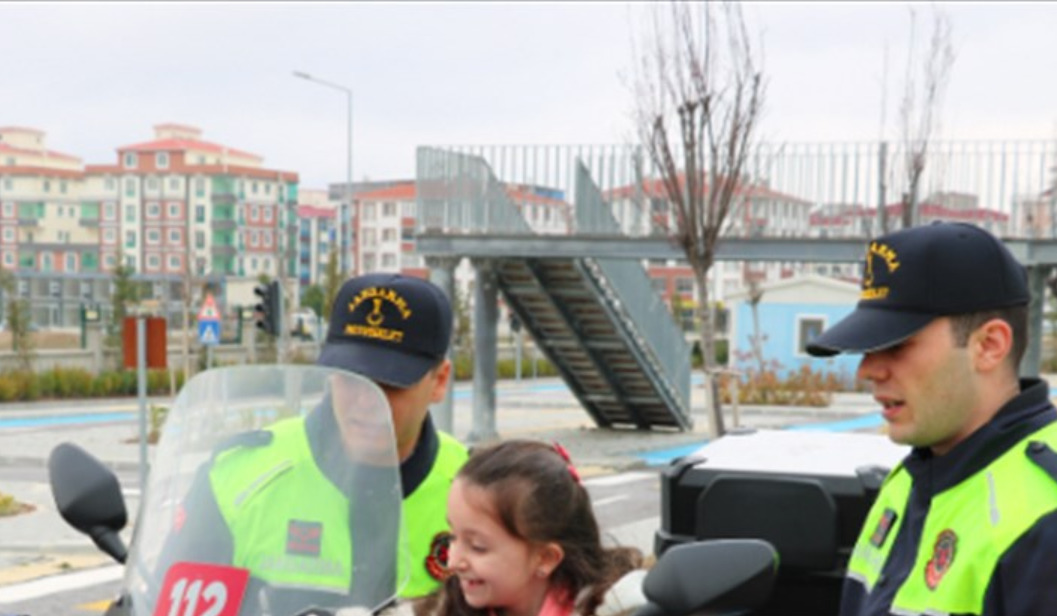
(884, 526)
(304, 538)
(437, 558)
(942, 557)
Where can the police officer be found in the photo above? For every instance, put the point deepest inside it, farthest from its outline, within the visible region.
(967, 522)
(394, 330)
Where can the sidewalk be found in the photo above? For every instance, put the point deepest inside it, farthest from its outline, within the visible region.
(41, 543)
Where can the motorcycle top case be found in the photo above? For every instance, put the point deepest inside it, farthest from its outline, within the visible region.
(806, 492)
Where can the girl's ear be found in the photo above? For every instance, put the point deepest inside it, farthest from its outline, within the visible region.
(550, 556)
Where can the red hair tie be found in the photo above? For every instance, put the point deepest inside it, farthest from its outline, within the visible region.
(564, 453)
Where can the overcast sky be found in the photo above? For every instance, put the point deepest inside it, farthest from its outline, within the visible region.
(98, 76)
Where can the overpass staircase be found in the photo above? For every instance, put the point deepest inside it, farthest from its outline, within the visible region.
(598, 320)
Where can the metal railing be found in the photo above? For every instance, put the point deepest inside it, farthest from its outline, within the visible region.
(1003, 182)
(458, 192)
(628, 290)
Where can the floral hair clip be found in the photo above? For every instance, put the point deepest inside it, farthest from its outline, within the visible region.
(564, 453)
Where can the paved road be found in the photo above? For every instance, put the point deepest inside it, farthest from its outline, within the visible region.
(626, 505)
(40, 555)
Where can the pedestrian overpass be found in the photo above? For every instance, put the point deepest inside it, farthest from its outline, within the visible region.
(584, 295)
(597, 319)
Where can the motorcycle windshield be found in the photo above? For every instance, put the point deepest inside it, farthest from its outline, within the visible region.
(274, 490)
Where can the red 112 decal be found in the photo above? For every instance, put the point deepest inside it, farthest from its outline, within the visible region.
(196, 589)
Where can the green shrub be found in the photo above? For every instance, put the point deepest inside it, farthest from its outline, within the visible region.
(158, 415)
(8, 388)
(505, 368)
(10, 506)
(804, 387)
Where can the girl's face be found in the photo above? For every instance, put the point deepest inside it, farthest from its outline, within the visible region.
(495, 569)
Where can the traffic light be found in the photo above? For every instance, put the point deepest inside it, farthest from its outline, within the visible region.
(268, 310)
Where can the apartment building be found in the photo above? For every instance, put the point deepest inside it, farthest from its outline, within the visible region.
(759, 211)
(385, 219)
(317, 235)
(384, 224)
(173, 207)
(48, 237)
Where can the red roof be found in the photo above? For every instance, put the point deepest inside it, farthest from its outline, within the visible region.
(311, 211)
(89, 169)
(235, 170)
(405, 191)
(49, 153)
(181, 145)
(527, 196)
(933, 210)
(654, 187)
(21, 129)
(925, 210)
(43, 171)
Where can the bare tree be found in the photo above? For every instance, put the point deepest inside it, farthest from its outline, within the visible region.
(756, 338)
(186, 312)
(920, 107)
(698, 97)
(18, 317)
(333, 278)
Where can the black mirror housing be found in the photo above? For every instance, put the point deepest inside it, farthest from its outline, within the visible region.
(88, 496)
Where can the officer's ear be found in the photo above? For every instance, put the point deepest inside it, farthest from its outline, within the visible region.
(441, 377)
(991, 344)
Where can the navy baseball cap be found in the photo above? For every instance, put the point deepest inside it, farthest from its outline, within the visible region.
(915, 275)
(388, 327)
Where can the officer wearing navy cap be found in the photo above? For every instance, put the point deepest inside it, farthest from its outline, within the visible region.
(395, 330)
(967, 522)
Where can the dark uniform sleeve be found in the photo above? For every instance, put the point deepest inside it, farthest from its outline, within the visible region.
(199, 533)
(1023, 583)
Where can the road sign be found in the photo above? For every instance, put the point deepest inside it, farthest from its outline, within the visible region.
(209, 332)
(209, 311)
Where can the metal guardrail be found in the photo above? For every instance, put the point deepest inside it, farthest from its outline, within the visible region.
(459, 193)
(1008, 180)
(629, 291)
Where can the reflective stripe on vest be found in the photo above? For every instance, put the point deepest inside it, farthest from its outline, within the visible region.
(426, 519)
(967, 530)
(266, 493)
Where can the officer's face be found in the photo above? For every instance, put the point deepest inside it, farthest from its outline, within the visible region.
(927, 389)
(410, 405)
(363, 418)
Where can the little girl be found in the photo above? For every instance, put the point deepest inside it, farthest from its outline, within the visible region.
(525, 541)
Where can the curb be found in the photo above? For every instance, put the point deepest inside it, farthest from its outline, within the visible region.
(65, 547)
(33, 461)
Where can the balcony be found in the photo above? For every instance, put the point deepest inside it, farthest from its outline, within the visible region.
(30, 214)
(223, 188)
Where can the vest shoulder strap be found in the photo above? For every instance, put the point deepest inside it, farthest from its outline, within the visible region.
(1043, 456)
(251, 439)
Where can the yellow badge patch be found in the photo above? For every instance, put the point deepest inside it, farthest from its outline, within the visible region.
(888, 256)
(372, 323)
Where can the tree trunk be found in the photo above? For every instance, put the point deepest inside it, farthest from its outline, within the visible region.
(713, 400)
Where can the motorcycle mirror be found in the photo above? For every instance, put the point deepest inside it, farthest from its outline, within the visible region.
(719, 574)
(88, 496)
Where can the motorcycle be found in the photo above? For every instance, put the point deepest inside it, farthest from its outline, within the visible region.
(252, 430)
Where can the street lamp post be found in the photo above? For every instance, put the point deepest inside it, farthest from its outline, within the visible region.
(346, 214)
